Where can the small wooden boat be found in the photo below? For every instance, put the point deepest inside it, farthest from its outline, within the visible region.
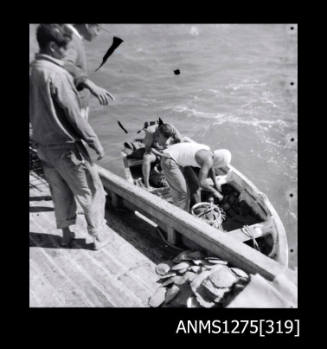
(249, 215)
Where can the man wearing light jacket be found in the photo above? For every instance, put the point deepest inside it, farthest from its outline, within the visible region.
(58, 131)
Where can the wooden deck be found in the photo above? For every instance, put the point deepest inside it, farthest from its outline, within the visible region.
(119, 275)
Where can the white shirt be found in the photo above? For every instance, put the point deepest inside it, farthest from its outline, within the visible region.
(184, 153)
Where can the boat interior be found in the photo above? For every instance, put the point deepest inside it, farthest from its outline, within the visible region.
(240, 207)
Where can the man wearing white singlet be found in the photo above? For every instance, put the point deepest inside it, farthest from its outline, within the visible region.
(179, 156)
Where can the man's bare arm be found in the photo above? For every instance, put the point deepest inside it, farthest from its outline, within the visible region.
(159, 153)
(214, 179)
(203, 175)
(82, 80)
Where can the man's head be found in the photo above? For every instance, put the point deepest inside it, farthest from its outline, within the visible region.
(165, 131)
(53, 39)
(89, 31)
(221, 158)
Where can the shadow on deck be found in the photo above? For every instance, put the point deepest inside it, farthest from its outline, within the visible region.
(121, 274)
(140, 234)
(51, 241)
(131, 228)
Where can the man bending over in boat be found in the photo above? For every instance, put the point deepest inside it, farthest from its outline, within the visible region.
(153, 150)
(179, 158)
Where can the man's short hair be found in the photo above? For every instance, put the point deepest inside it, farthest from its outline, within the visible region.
(58, 33)
(166, 130)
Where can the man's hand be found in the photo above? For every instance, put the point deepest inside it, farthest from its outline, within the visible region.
(218, 187)
(157, 152)
(217, 195)
(100, 154)
(100, 93)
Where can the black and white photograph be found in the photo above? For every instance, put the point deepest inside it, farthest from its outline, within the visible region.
(163, 165)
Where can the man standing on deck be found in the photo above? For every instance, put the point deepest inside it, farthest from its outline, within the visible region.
(58, 130)
(177, 162)
(75, 63)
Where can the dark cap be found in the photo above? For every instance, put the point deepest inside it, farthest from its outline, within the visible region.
(166, 130)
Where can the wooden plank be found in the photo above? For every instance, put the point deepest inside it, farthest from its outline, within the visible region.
(86, 274)
(141, 236)
(127, 283)
(75, 272)
(47, 293)
(34, 301)
(114, 291)
(171, 235)
(257, 230)
(114, 271)
(72, 294)
(140, 272)
(238, 235)
(62, 264)
(91, 263)
(119, 278)
(146, 219)
(193, 228)
(134, 279)
(44, 223)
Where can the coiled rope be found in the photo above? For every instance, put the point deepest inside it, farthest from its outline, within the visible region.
(209, 212)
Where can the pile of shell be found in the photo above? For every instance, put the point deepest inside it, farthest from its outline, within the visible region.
(194, 280)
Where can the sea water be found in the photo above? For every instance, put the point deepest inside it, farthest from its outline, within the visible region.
(237, 89)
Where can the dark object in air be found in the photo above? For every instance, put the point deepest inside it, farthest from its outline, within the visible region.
(177, 72)
(122, 127)
(115, 43)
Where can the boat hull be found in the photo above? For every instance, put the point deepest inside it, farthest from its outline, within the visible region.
(269, 227)
(174, 221)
